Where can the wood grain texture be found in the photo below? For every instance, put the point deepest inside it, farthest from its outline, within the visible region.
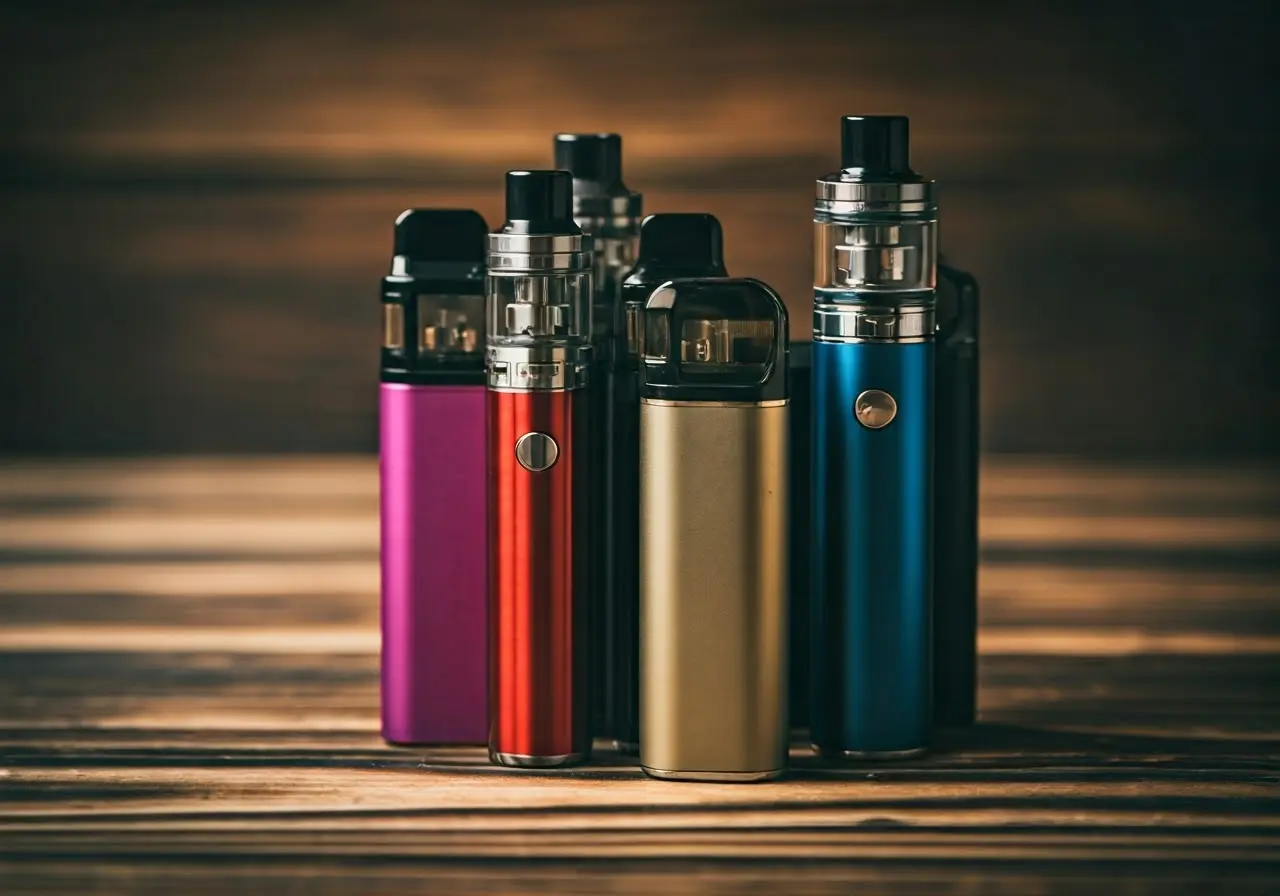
(188, 702)
(196, 202)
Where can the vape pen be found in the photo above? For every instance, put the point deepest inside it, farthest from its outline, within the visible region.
(713, 532)
(610, 214)
(432, 420)
(671, 246)
(538, 361)
(873, 407)
(955, 508)
(800, 387)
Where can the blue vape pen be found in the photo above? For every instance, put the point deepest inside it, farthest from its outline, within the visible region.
(875, 259)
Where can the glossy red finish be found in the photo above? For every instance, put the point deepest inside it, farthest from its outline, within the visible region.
(537, 578)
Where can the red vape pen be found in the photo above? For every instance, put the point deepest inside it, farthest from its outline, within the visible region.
(538, 301)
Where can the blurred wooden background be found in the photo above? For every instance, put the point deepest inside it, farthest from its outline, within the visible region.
(196, 200)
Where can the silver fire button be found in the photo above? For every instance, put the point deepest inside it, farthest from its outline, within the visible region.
(875, 409)
(537, 451)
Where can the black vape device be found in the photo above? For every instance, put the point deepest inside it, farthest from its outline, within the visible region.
(609, 212)
(671, 246)
(955, 508)
(799, 578)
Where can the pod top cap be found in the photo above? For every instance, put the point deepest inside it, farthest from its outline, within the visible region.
(684, 241)
(441, 235)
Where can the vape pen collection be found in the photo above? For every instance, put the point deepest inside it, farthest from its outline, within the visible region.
(626, 508)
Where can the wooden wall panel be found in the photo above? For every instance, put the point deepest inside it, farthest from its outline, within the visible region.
(195, 203)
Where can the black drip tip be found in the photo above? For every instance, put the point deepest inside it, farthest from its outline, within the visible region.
(691, 241)
(880, 143)
(541, 196)
(441, 234)
(593, 157)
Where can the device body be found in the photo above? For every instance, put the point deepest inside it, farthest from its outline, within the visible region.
(538, 364)
(800, 492)
(873, 436)
(955, 511)
(713, 533)
(539, 664)
(607, 211)
(432, 437)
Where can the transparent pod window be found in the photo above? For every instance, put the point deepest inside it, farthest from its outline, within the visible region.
(634, 323)
(656, 343)
(709, 345)
(527, 307)
(450, 324)
(393, 327)
(714, 335)
(875, 257)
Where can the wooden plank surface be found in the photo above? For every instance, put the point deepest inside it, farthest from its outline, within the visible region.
(188, 703)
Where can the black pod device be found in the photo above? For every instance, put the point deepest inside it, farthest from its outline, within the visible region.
(609, 212)
(671, 246)
(798, 577)
(955, 510)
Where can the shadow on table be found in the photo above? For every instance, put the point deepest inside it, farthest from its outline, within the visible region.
(998, 752)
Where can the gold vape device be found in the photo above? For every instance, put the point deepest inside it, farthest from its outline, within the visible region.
(713, 532)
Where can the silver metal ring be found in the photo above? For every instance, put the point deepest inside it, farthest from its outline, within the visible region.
(512, 264)
(873, 323)
(538, 367)
(518, 253)
(838, 195)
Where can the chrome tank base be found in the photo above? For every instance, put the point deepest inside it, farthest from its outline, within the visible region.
(538, 367)
(516, 760)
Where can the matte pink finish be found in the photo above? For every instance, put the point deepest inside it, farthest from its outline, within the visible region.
(434, 565)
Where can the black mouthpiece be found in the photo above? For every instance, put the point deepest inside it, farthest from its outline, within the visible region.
(441, 235)
(593, 157)
(683, 241)
(878, 143)
(540, 196)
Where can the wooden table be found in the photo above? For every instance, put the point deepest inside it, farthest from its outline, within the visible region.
(188, 703)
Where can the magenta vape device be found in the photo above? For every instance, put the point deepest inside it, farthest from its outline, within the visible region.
(432, 417)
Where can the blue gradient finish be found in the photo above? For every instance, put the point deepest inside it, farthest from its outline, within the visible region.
(872, 550)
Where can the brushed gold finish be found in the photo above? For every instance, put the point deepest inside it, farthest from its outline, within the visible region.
(713, 606)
